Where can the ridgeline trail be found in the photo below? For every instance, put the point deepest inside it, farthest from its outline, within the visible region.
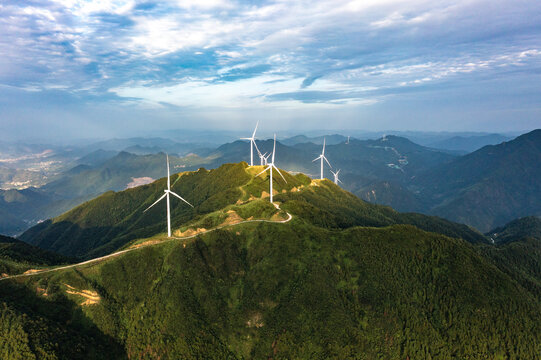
(173, 238)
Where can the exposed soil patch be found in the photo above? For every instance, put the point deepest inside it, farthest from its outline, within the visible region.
(31, 271)
(189, 232)
(91, 297)
(146, 243)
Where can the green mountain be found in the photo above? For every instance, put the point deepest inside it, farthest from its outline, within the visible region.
(516, 230)
(96, 174)
(517, 251)
(489, 187)
(113, 219)
(17, 257)
(340, 279)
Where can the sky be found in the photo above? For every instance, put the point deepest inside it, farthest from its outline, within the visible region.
(125, 67)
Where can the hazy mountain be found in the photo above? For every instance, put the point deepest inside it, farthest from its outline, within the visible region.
(490, 186)
(469, 143)
(342, 278)
(390, 158)
(143, 145)
(318, 140)
(96, 157)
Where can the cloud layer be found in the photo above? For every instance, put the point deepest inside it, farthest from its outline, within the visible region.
(346, 58)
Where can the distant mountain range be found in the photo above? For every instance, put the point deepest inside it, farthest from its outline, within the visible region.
(488, 187)
(469, 144)
(390, 171)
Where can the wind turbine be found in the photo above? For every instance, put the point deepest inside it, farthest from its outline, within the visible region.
(166, 195)
(270, 166)
(252, 143)
(336, 179)
(322, 157)
(262, 159)
(265, 159)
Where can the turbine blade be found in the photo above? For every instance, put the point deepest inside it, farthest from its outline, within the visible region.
(180, 197)
(157, 201)
(279, 172)
(253, 135)
(274, 148)
(327, 161)
(246, 138)
(316, 159)
(340, 181)
(168, 175)
(259, 152)
(267, 168)
(323, 152)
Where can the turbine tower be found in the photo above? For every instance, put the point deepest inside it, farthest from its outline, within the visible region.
(322, 157)
(336, 179)
(166, 195)
(271, 166)
(252, 143)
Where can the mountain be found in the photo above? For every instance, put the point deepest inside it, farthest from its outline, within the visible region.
(17, 257)
(113, 219)
(94, 174)
(146, 145)
(469, 143)
(340, 278)
(96, 157)
(488, 187)
(389, 158)
(516, 230)
(517, 251)
(318, 140)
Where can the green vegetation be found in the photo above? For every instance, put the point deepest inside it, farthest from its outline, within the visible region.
(518, 252)
(278, 291)
(113, 220)
(343, 279)
(17, 257)
(519, 229)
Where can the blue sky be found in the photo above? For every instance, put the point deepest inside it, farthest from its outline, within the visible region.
(121, 67)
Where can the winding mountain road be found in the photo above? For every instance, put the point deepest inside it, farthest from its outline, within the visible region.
(39, 272)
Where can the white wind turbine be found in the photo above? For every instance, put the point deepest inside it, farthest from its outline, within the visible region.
(252, 143)
(336, 179)
(322, 157)
(166, 195)
(271, 166)
(262, 159)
